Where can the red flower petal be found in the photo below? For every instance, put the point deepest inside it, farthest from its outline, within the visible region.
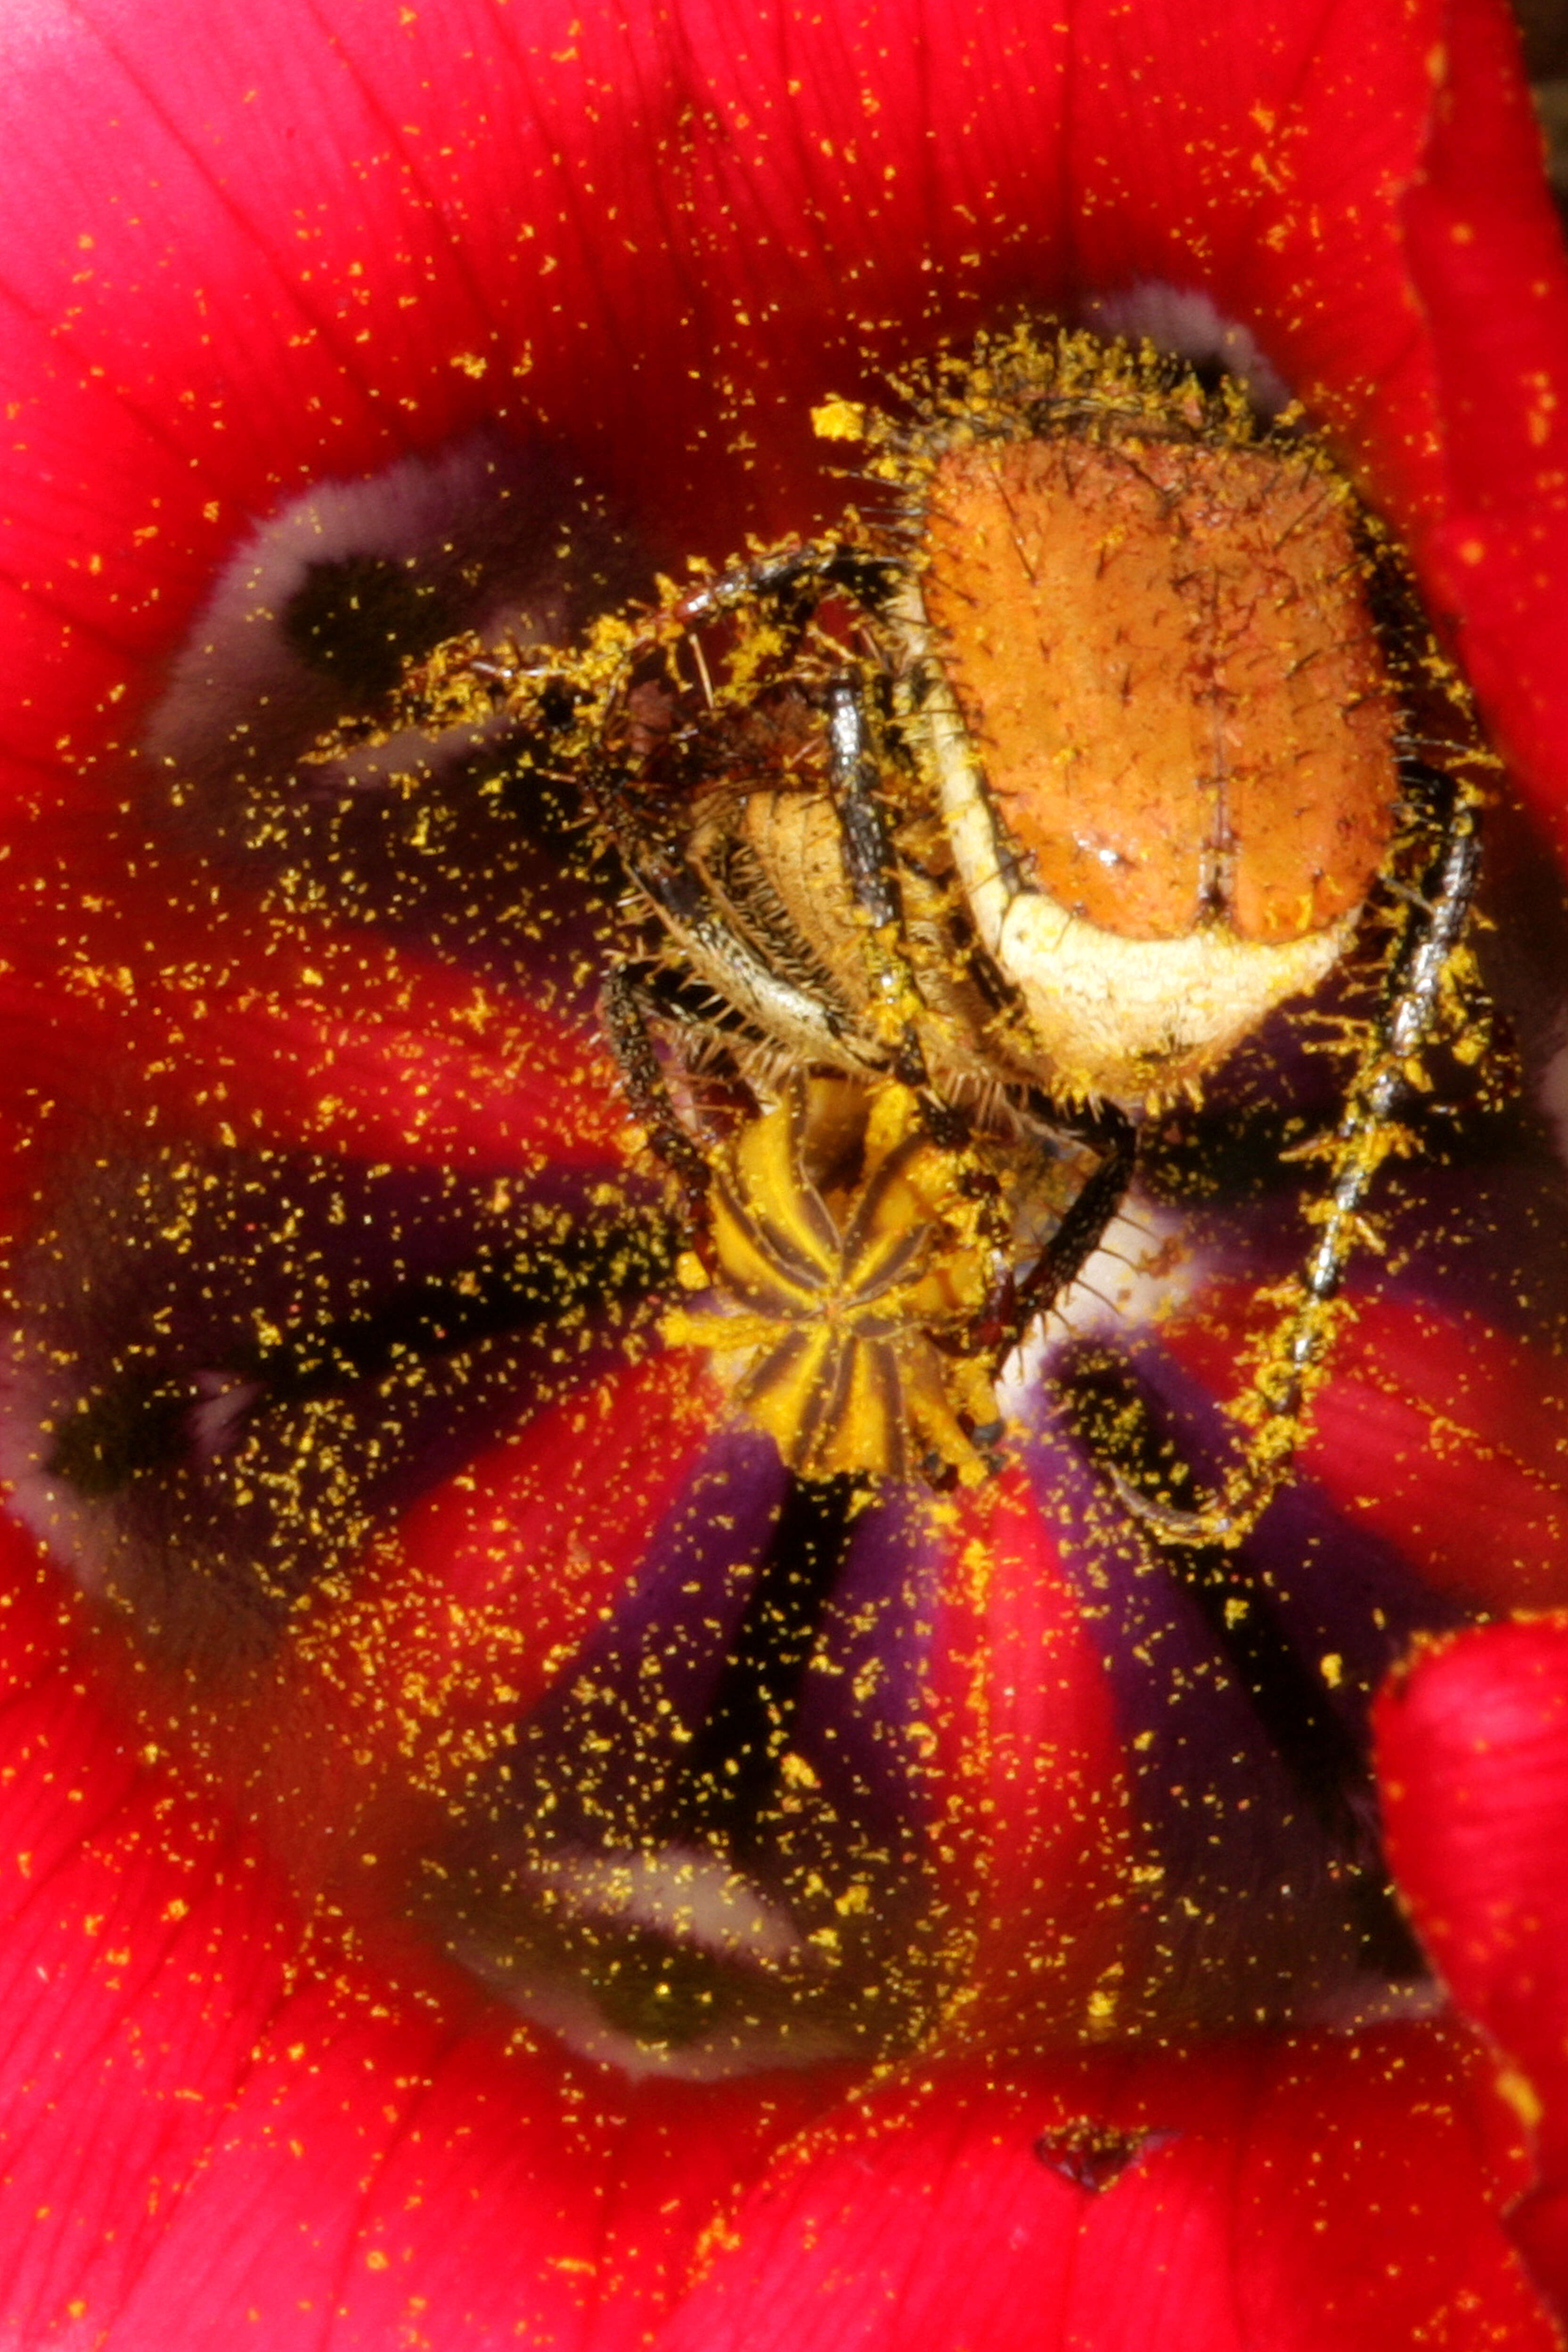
(378, 2177)
(1276, 2199)
(1486, 254)
(201, 2142)
(251, 249)
(1473, 1762)
(1027, 1788)
(469, 1611)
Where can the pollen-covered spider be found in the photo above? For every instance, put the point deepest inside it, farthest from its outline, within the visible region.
(965, 841)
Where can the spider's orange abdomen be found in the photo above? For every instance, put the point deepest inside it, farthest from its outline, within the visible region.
(1162, 653)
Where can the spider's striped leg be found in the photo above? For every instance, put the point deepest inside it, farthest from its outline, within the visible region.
(1417, 1008)
(1016, 1305)
(870, 869)
(864, 575)
(625, 1029)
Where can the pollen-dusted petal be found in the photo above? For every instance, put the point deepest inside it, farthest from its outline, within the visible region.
(1029, 1795)
(238, 1025)
(1452, 1440)
(1432, 1428)
(395, 1063)
(413, 1677)
(485, 2186)
(1482, 229)
(1473, 1764)
(1274, 2195)
(203, 2138)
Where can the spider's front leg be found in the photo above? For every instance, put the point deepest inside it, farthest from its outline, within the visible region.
(622, 1007)
(871, 875)
(1019, 1304)
(1424, 983)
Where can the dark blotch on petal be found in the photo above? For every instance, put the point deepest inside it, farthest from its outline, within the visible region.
(359, 619)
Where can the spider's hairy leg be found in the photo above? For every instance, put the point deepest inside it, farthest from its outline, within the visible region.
(621, 1004)
(1430, 925)
(871, 872)
(1017, 1305)
(838, 562)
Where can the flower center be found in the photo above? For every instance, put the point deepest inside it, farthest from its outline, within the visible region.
(745, 1576)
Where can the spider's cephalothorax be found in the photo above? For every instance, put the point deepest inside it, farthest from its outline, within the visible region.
(965, 839)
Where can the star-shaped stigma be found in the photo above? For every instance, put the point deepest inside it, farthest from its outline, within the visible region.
(853, 1265)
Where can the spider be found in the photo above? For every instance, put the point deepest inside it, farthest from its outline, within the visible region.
(965, 842)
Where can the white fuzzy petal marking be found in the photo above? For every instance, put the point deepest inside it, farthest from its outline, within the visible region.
(1183, 321)
(500, 536)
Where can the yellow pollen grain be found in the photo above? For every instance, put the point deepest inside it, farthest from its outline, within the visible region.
(839, 420)
(1522, 2097)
